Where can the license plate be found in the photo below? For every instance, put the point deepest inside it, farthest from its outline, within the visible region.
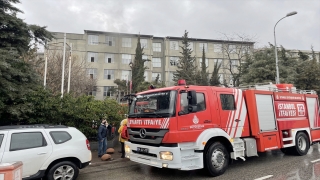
(143, 150)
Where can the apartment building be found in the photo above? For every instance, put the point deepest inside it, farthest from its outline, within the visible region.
(108, 55)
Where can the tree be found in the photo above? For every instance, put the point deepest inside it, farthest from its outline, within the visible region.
(309, 74)
(204, 75)
(17, 78)
(215, 77)
(138, 67)
(235, 54)
(80, 81)
(187, 69)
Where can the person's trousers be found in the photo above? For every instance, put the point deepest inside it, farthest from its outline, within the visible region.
(102, 147)
(122, 149)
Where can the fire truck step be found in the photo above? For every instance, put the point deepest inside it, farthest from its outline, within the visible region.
(191, 157)
(287, 139)
(287, 145)
(186, 148)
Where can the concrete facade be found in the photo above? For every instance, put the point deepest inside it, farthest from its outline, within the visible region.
(108, 55)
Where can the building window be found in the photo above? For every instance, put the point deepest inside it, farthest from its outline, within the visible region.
(203, 45)
(109, 58)
(220, 78)
(156, 62)
(174, 45)
(126, 58)
(109, 74)
(92, 93)
(110, 41)
(217, 60)
(217, 48)
(144, 43)
(146, 63)
(232, 48)
(227, 102)
(93, 39)
(154, 76)
(234, 63)
(92, 73)
(92, 57)
(126, 42)
(245, 49)
(156, 47)
(200, 62)
(174, 61)
(191, 45)
(171, 76)
(146, 76)
(125, 75)
(106, 90)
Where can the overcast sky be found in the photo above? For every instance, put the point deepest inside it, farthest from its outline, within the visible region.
(208, 19)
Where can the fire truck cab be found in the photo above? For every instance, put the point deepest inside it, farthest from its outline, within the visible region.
(194, 127)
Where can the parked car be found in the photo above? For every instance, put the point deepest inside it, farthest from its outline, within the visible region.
(55, 152)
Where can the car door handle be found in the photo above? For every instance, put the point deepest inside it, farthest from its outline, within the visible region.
(42, 153)
(237, 120)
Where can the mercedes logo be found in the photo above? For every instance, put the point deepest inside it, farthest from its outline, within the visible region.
(143, 133)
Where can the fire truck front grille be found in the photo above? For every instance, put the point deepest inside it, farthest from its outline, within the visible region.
(147, 136)
(147, 154)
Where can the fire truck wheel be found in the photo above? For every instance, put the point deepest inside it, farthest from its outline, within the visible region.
(302, 144)
(216, 159)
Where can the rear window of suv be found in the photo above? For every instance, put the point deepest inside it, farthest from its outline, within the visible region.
(1, 138)
(60, 137)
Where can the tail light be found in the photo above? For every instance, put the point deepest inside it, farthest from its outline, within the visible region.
(88, 144)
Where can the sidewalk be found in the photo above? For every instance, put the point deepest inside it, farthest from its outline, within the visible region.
(116, 155)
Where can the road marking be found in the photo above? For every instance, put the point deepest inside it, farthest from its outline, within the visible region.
(315, 160)
(264, 177)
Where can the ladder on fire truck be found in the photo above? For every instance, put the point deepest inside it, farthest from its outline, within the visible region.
(273, 87)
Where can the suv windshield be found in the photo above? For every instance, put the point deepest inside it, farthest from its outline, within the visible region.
(157, 104)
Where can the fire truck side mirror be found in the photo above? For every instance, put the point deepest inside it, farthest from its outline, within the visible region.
(192, 98)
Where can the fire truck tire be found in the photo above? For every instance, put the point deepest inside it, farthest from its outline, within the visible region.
(216, 159)
(302, 144)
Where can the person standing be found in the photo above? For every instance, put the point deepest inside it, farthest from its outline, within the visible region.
(123, 135)
(102, 135)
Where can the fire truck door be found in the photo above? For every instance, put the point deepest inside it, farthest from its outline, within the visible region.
(233, 112)
(194, 122)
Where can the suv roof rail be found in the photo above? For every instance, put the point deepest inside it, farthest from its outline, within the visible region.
(43, 126)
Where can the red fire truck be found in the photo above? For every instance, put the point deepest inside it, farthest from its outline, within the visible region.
(194, 127)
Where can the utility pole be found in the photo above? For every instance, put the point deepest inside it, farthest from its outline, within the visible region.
(63, 62)
(45, 65)
(70, 57)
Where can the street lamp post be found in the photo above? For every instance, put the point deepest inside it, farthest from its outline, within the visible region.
(130, 85)
(275, 44)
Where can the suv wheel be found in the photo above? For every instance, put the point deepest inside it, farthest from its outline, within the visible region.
(64, 170)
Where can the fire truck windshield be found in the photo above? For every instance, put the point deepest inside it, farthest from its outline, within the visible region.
(157, 104)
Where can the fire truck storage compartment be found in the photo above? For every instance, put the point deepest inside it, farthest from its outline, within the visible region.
(265, 111)
(251, 147)
(268, 141)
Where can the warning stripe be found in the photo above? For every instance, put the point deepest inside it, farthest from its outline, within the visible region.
(231, 120)
(235, 112)
(238, 103)
(243, 118)
(239, 122)
(165, 123)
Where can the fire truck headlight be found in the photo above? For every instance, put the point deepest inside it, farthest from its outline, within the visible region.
(166, 155)
(127, 149)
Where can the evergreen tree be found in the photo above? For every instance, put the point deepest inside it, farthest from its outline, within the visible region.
(303, 56)
(215, 77)
(203, 73)
(17, 78)
(187, 69)
(138, 67)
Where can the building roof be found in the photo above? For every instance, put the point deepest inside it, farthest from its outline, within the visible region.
(116, 33)
(211, 40)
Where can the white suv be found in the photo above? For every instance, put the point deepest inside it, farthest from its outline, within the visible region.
(55, 152)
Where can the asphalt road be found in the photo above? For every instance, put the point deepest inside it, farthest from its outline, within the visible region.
(273, 165)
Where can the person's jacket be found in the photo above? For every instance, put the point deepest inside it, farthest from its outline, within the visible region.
(124, 123)
(102, 132)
